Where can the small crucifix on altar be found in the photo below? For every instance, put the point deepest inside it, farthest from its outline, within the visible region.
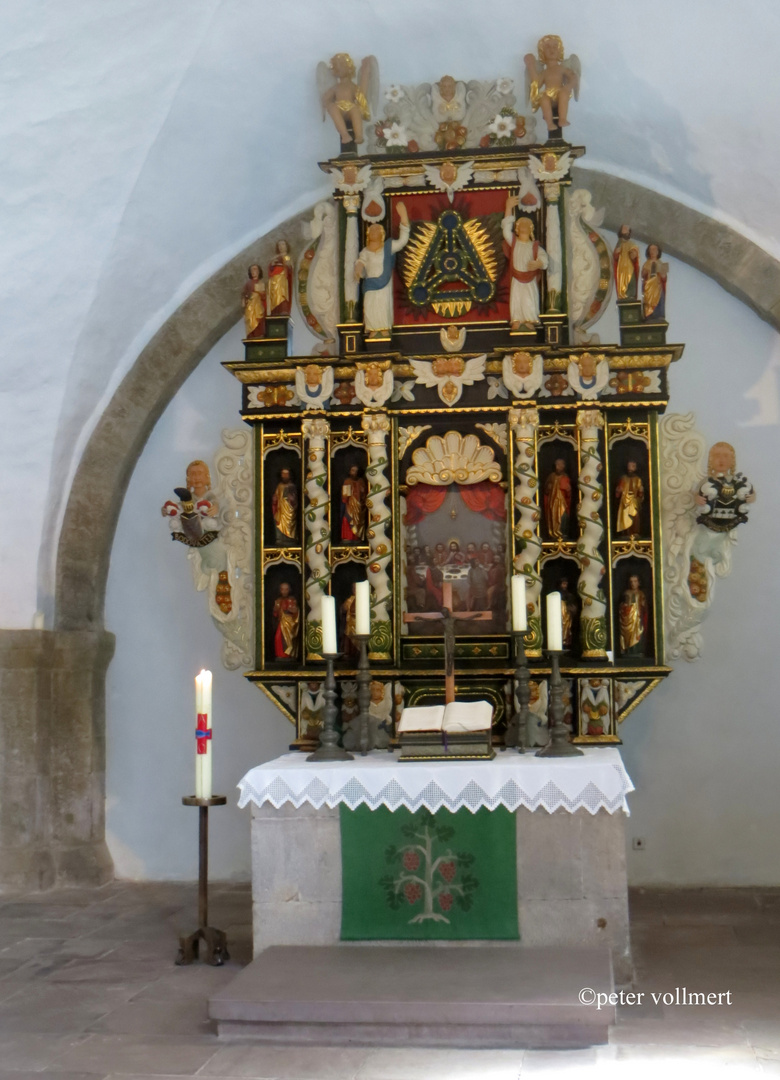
(448, 617)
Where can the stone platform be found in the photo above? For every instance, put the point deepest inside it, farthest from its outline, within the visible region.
(419, 995)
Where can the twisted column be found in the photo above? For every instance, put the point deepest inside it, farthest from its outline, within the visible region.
(593, 623)
(316, 507)
(527, 542)
(380, 543)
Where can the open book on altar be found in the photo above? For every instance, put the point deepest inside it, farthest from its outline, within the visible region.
(462, 729)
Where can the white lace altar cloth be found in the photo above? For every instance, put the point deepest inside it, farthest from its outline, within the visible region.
(596, 781)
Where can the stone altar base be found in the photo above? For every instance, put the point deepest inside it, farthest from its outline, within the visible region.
(419, 995)
(571, 873)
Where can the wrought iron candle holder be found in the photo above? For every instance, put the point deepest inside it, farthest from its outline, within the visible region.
(215, 940)
(517, 729)
(329, 749)
(364, 694)
(559, 745)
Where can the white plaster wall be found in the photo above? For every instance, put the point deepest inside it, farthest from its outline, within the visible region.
(147, 142)
(703, 749)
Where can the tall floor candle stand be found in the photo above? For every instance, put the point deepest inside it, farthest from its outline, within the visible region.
(329, 749)
(517, 728)
(215, 940)
(559, 745)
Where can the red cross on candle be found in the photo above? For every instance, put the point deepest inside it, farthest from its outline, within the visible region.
(202, 732)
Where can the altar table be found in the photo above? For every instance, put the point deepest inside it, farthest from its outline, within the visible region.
(570, 840)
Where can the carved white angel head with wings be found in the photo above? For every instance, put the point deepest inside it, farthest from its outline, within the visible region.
(449, 177)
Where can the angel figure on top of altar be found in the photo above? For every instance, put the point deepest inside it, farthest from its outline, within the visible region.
(280, 277)
(551, 80)
(527, 259)
(348, 103)
(375, 266)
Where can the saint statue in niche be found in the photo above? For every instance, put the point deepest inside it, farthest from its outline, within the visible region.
(557, 501)
(633, 619)
(284, 507)
(527, 258)
(569, 611)
(347, 614)
(253, 301)
(280, 276)
(375, 265)
(353, 507)
(631, 495)
(654, 275)
(287, 618)
(625, 259)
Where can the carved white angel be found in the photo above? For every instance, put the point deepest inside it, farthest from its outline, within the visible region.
(449, 374)
(449, 177)
(448, 99)
(523, 373)
(550, 167)
(452, 337)
(588, 376)
(372, 385)
(314, 385)
(350, 179)
(348, 103)
(551, 80)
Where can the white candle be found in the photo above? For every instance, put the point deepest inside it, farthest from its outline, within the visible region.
(204, 723)
(362, 608)
(329, 625)
(519, 613)
(554, 622)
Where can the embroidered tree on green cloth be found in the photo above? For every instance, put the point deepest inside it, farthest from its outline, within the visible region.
(429, 871)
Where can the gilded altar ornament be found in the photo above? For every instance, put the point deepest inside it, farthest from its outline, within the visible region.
(633, 619)
(630, 494)
(286, 616)
(280, 276)
(450, 264)
(527, 259)
(595, 708)
(314, 385)
(724, 498)
(522, 373)
(253, 302)
(375, 266)
(284, 507)
(654, 275)
(374, 383)
(348, 103)
(452, 337)
(551, 80)
(588, 375)
(449, 177)
(353, 507)
(449, 374)
(557, 501)
(625, 261)
(448, 105)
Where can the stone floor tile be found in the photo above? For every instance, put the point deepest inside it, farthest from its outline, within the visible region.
(143, 1055)
(25, 1052)
(187, 1017)
(45, 1008)
(173, 983)
(287, 1062)
(422, 1064)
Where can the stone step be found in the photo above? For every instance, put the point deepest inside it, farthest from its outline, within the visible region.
(419, 995)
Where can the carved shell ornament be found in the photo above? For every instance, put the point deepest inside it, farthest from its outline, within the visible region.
(453, 459)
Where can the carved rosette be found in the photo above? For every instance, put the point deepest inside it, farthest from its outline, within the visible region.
(593, 624)
(380, 544)
(528, 544)
(317, 538)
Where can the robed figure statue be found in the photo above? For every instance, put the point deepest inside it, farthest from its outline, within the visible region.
(353, 507)
(557, 502)
(633, 619)
(287, 619)
(630, 493)
(284, 507)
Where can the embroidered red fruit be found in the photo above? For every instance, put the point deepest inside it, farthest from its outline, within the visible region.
(445, 901)
(411, 860)
(412, 892)
(447, 870)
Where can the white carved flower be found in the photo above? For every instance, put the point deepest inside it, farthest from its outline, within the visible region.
(505, 86)
(393, 93)
(503, 127)
(255, 398)
(404, 390)
(496, 388)
(395, 135)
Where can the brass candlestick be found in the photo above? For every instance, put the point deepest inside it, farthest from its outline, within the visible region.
(364, 694)
(559, 745)
(329, 749)
(215, 940)
(517, 728)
